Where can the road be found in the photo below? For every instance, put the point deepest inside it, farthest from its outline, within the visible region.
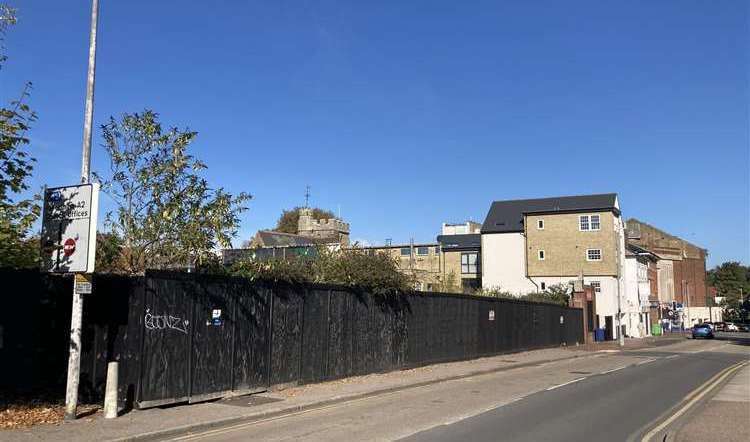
(608, 395)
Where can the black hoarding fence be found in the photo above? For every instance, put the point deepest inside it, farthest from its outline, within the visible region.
(185, 337)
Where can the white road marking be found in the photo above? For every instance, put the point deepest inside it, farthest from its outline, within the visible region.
(671, 357)
(645, 362)
(613, 370)
(566, 383)
(694, 397)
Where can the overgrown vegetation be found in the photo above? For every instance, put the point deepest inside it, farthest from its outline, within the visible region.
(555, 294)
(732, 282)
(289, 219)
(451, 284)
(166, 214)
(354, 267)
(17, 213)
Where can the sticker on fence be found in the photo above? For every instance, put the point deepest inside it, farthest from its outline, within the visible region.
(492, 315)
(215, 317)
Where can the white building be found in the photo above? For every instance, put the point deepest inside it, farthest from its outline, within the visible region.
(529, 245)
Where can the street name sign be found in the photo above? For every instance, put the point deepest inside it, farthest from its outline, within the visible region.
(69, 228)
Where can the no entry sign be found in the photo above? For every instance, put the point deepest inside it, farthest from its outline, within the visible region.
(69, 247)
(69, 228)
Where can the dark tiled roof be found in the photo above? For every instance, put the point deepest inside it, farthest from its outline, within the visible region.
(507, 216)
(460, 242)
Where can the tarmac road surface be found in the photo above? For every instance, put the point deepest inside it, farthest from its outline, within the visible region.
(614, 395)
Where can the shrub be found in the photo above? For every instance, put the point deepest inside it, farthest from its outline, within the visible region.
(555, 294)
(349, 267)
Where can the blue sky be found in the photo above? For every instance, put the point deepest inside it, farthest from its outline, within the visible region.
(408, 114)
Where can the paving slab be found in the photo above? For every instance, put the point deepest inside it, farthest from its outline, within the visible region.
(725, 417)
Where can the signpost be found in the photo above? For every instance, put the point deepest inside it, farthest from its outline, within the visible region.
(69, 246)
(69, 228)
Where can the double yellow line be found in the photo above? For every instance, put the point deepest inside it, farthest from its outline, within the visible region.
(691, 399)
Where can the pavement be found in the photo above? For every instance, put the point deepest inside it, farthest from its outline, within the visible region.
(725, 416)
(406, 403)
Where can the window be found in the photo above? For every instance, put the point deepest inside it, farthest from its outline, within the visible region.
(541, 255)
(437, 250)
(583, 222)
(405, 251)
(422, 251)
(596, 285)
(469, 262)
(594, 254)
(595, 224)
(589, 222)
(543, 286)
(540, 224)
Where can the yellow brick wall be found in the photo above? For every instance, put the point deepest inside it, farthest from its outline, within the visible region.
(426, 269)
(452, 262)
(565, 245)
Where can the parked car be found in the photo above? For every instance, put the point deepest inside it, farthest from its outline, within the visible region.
(731, 327)
(702, 331)
(744, 327)
(720, 326)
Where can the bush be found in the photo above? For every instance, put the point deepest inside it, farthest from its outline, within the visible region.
(275, 270)
(349, 267)
(555, 294)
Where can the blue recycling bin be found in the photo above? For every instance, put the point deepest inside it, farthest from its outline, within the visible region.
(599, 335)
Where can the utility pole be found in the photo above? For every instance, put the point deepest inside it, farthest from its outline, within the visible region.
(687, 297)
(74, 358)
(620, 337)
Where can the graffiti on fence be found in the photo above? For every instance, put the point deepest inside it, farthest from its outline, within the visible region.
(162, 322)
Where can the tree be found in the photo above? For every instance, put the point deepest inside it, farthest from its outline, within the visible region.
(17, 214)
(166, 214)
(109, 253)
(289, 219)
(451, 283)
(732, 282)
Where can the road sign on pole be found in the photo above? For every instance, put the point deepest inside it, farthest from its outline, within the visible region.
(69, 228)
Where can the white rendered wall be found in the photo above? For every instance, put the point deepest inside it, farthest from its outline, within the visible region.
(504, 263)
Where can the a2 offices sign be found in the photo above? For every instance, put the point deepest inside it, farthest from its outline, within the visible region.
(69, 228)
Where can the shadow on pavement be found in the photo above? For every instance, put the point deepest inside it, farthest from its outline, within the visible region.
(740, 339)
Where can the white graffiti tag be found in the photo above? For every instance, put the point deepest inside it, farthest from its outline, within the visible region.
(161, 322)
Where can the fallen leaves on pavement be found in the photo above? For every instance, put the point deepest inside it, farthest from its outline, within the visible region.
(23, 415)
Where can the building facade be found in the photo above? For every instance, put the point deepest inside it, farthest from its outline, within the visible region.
(640, 296)
(422, 262)
(461, 257)
(530, 245)
(681, 272)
